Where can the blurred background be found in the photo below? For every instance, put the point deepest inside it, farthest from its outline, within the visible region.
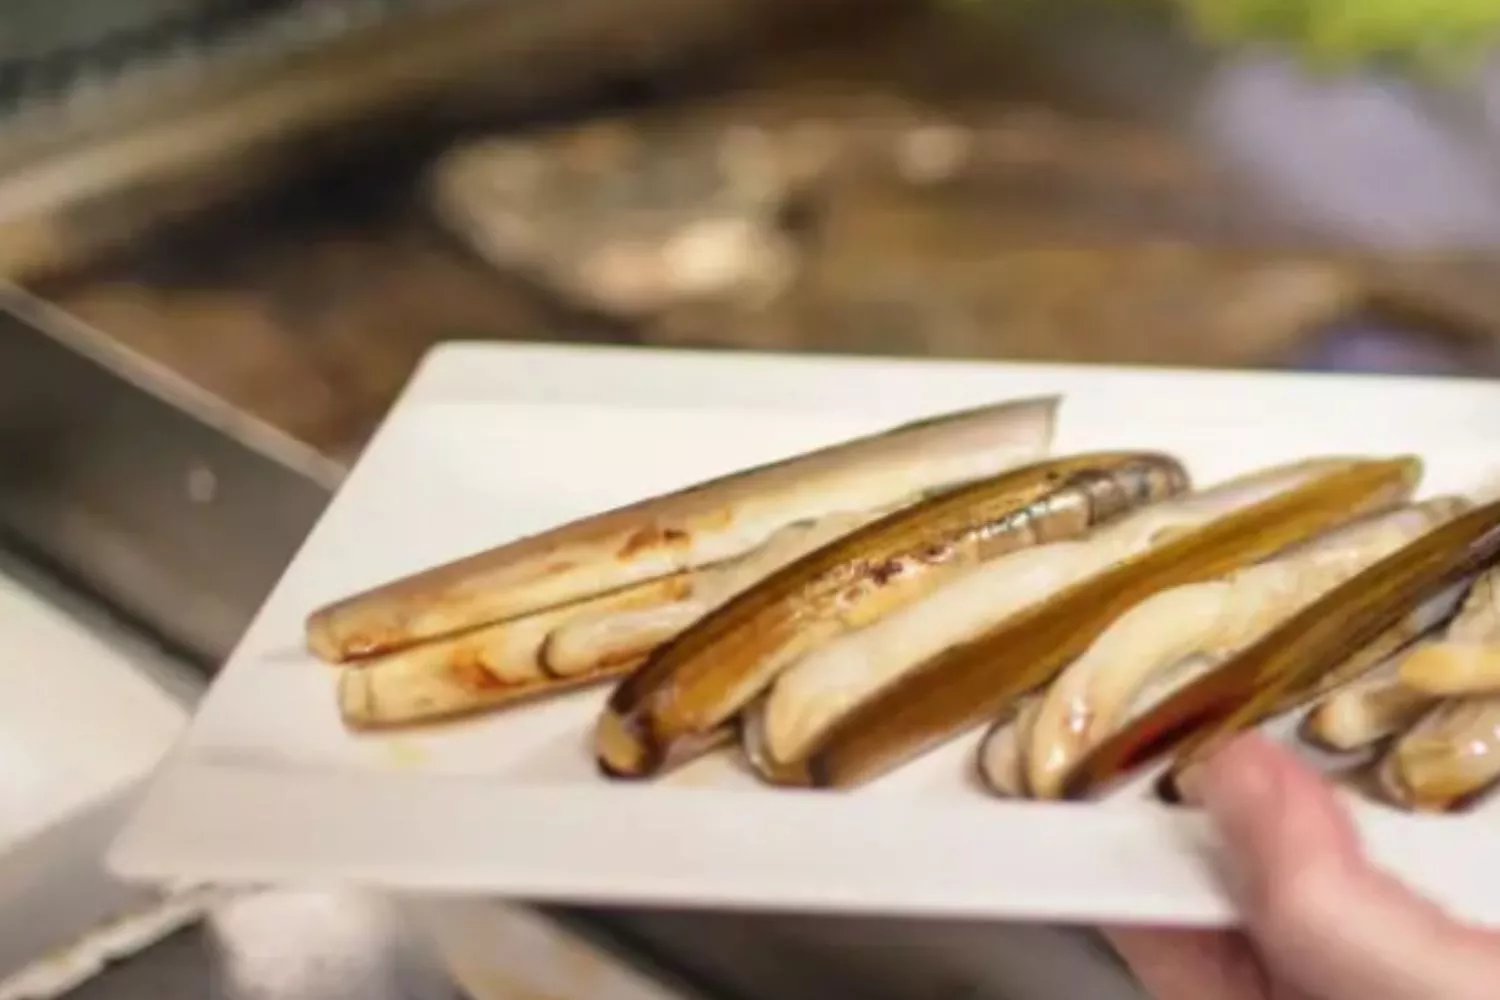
(285, 202)
(229, 229)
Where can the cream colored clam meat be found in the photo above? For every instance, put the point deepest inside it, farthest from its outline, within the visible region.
(1172, 637)
(806, 699)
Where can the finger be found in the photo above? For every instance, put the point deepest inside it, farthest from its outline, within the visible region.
(1321, 916)
(1189, 965)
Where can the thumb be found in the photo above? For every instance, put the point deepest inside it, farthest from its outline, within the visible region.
(1322, 917)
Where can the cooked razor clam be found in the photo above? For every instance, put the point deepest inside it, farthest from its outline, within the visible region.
(470, 672)
(1447, 759)
(696, 683)
(585, 643)
(1420, 620)
(685, 530)
(1364, 713)
(407, 690)
(1002, 755)
(978, 680)
(1468, 660)
(1171, 637)
(1387, 703)
(810, 696)
(1383, 606)
(486, 667)
(1454, 669)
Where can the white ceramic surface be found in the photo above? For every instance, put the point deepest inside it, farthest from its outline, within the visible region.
(491, 442)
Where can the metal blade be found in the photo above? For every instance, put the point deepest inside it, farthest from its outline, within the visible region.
(170, 507)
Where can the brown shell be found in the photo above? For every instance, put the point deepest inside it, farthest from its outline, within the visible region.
(697, 682)
(1289, 666)
(979, 680)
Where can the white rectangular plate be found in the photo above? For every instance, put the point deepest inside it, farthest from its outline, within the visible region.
(493, 442)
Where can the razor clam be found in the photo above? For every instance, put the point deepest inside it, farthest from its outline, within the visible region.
(483, 668)
(694, 684)
(1423, 621)
(407, 691)
(1002, 756)
(1373, 613)
(685, 530)
(1419, 621)
(1448, 759)
(586, 643)
(975, 681)
(814, 693)
(1364, 713)
(1468, 661)
(1380, 706)
(472, 671)
(1171, 637)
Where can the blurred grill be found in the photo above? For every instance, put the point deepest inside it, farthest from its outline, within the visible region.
(118, 114)
(65, 58)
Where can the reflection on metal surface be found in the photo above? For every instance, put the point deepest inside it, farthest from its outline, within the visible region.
(175, 511)
(803, 957)
(92, 706)
(260, 945)
(501, 951)
(77, 916)
(283, 945)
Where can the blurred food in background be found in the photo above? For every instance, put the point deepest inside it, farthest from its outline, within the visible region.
(886, 226)
(945, 179)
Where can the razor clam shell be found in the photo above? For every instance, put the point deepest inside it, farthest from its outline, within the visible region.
(481, 669)
(1454, 669)
(1001, 760)
(588, 642)
(1479, 618)
(1468, 661)
(1379, 609)
(1422, 623)
(1178, 635)
(1447, 759)
(1426, 618)
(973, 682)
(811, 695)
(697, 682)
(1376, 707)
(690, 528)
(1364, 713)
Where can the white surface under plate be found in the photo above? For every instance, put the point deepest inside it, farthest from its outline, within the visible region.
(87, 713)
(491, 442)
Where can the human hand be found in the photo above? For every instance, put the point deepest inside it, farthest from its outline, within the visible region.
(1320, 922)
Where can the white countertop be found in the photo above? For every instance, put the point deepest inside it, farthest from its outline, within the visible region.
(87, 710)
(84, 713)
